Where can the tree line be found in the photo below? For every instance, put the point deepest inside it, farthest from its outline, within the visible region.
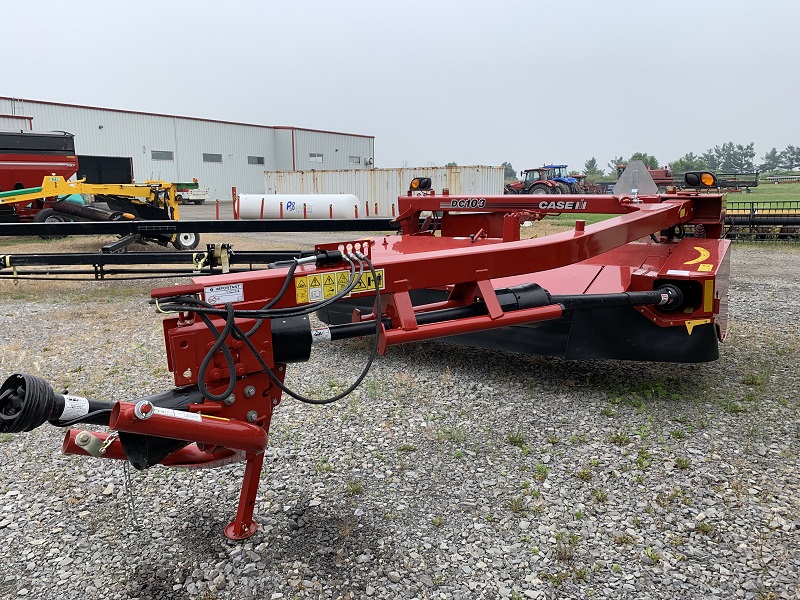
(728, 157)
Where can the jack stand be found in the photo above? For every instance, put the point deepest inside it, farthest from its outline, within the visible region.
(243, 526)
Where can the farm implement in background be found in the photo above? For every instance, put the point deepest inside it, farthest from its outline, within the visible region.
(53, 202)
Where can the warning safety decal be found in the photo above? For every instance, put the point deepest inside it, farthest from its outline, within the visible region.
(321, 286)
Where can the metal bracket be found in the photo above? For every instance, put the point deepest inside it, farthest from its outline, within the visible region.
(90, 443)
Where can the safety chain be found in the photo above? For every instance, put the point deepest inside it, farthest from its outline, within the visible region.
(129, 494)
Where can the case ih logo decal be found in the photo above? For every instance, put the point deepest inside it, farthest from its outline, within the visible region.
(561, 205)
(465, 203)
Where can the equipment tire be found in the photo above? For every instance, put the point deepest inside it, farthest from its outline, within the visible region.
(48, 215)
(199, 201)
(661, 190)
(563, 187)
(179, 199)
(574, 188)
(539, 189)
(186, 241)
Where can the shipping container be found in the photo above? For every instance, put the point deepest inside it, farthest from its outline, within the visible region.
(378, 189)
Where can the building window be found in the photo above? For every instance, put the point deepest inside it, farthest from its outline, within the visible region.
(356, 160)
(255, 160)
(217, 158)
(162, 155)
(313, 157)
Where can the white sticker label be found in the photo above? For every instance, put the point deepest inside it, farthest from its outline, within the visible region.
(678, 272)
(320, 335)
(179, 414)
(220, 294)
(74, 407)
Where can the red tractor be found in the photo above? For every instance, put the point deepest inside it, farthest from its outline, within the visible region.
(534, 181)
(587, 187)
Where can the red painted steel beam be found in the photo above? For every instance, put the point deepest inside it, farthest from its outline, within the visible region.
(457, 262)
(192, 427)
(188, 457)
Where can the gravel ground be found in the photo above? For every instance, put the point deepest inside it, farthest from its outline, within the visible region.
(450, 473)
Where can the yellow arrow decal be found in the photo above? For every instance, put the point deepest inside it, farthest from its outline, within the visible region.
(704, 254)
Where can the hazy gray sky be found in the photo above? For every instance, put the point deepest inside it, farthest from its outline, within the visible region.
(471, 82)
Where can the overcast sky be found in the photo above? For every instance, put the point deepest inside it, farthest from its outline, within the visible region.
(473, 82)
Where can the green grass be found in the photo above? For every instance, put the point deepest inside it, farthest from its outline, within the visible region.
(516, 438)
(451, 434)
(354, 487)
(769, 192)
(540, 472)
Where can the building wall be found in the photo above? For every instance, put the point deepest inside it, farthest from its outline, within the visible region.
(14, 123)
(336, 151)
(283, 140)
(116, 133)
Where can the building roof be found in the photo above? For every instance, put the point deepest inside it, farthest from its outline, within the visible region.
(151, 114)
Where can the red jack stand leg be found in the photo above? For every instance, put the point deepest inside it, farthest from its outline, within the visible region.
(243, 526)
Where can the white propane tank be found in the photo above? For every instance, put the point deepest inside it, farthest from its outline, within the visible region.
(300, 206)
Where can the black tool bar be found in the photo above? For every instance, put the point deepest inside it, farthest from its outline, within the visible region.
(160, 228)
(142, 258)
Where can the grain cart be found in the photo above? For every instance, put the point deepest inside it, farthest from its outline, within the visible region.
(28, 156)
(618, 289)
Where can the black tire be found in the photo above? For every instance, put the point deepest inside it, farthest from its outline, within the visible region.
(179, 199)
(186, 241)
(661, 190)
(539, 189)
(574, 188)
(48, 215)
(199, 201)
(563, 187)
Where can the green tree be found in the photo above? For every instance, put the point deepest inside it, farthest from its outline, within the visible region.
(451, 164)
(615, 162)
(745, 157)
(688, 162)
(648, 160)
(790, 157)
(771, 161)
(508, 171)
(591, 169)
(731, 157)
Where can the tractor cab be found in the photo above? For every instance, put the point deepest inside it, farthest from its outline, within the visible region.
(566, 183)
(559, 171)
(531, 176)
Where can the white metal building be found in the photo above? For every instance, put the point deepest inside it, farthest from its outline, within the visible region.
(115, 146)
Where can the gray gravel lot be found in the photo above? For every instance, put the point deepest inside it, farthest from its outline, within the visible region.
(450, 473)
